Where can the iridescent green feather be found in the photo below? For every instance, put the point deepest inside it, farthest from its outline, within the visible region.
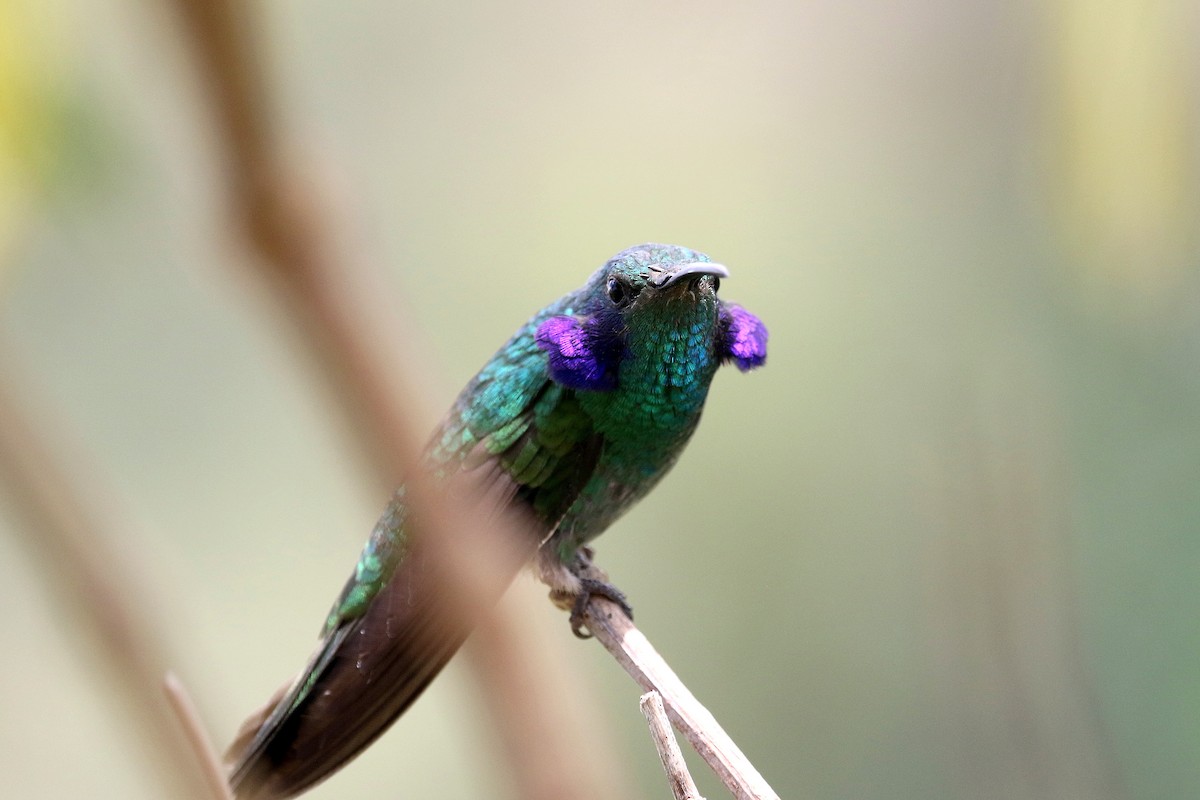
(510, 410)
(576, 452)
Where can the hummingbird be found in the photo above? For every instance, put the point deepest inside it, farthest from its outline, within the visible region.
(571, 422)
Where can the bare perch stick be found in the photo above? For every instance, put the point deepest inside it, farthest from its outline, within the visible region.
(193, 728)
(633, 651)
(682, 785)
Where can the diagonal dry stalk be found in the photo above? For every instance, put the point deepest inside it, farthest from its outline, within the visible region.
(71, 529)
(637, 656)
(682, 785)
(333, 306)
(181, 703)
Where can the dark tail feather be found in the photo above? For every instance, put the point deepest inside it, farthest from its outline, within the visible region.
(366, 673)
(369, 670)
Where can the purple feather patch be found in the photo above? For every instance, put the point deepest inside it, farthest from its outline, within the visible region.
(743, 338)
(576, 359)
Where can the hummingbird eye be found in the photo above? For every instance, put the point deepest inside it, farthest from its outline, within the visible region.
(619, 292)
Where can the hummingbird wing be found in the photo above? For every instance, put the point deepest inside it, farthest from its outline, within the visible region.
(520, 440)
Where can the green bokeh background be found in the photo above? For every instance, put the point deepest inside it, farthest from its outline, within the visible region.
(945, 545)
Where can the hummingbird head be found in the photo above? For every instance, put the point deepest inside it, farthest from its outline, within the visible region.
(652, 303)
(653, 274)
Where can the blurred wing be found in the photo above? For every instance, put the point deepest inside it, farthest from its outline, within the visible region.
(514, 438)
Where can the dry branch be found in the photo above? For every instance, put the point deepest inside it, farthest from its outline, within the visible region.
(66, 525)
(634, 652)
(193, 728)
(682, 785)
(334, 306)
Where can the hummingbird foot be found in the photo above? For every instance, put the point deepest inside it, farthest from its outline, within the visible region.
(572, 585)
(589, 588)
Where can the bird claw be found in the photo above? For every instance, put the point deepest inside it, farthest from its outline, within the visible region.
(589, 588)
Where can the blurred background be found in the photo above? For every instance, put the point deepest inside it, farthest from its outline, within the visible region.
(945, 545)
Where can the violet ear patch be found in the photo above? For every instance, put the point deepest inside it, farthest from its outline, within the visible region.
(743, 338)
(575, 360)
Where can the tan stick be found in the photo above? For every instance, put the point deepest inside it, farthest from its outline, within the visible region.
(335, 307)
(65, 524)
(682, 785)
(193, 728)
(608, 623)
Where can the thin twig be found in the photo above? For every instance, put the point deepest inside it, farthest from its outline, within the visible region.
(608, 623)
(682, 785)
(193, 728)
(64, 523)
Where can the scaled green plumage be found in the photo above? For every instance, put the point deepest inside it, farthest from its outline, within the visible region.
(573, 420)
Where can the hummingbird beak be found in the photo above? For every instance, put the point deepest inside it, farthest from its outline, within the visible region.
(662, 278)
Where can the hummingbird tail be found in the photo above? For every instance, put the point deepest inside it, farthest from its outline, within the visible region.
(364, 675)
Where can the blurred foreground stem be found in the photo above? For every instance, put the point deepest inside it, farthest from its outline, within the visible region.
(71, 531)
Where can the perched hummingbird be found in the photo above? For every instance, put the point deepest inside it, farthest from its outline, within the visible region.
(571, 422)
